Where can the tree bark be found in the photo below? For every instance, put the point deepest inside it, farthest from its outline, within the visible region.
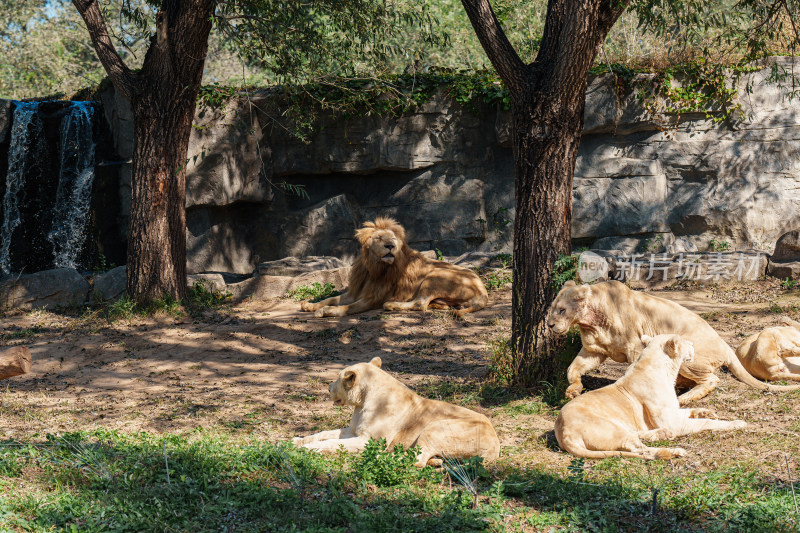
(14, 362)
(162, 95)
(547, 100)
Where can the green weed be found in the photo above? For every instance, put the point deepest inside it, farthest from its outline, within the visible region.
(789, 284)
(497, 279)
(716, 245)
(314, 292)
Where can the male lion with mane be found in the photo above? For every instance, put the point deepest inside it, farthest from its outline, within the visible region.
(387, 409)
(389, 274)
(641, 405)
(612, 319)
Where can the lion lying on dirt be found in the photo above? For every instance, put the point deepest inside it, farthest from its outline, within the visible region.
(641, 405)
(387, 409)
(391, 275)
(612, 318)
(774, 353)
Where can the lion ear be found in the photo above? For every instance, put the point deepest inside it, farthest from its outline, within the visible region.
(567, 285)
(671, 346)
(646, 339)
(581, 293)
(349, 379)
(363, 234)
(376, 361)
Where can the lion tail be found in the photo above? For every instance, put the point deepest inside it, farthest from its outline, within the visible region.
(736, 368)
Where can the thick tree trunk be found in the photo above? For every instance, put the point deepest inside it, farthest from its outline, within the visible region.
(14, 362)
(163, 97)
(547, 99)
(157, 227)
(546, 136)
(163, 110)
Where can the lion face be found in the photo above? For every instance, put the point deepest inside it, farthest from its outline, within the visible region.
(382, 240)
(568, 307)
(349, 388)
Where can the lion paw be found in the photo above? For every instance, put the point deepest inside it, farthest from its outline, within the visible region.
(739, 424)
(298, 441)
(703, 413)
(573, 391)
(320, 313)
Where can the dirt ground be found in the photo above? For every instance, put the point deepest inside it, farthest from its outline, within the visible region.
(262, 369)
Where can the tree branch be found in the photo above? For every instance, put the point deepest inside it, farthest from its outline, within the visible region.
(504, 58)
(121, 76)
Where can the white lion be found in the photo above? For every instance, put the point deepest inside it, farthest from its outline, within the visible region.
(387, 409)
(641, 405)
(774, 353)
(612, 318)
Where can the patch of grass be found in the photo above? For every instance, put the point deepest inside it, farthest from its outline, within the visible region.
(314, 292)
(497, 279)
(108, 481)
(123, 308)
(201, 296)
(526, 407)
(501, 360)
(775, 308)
(788, 284)
(25, 333)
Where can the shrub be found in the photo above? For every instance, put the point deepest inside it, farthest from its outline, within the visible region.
(384, 468)
(314, 292)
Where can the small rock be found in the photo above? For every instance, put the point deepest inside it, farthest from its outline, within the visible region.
(110, 285)
(48, 289)
(787, 248)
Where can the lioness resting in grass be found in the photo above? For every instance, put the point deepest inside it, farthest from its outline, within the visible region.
(390, 275)
(387, 409)
(612, 319)
(641, 405)
(774, 353)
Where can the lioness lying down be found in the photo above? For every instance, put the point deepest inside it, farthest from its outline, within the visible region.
(387, 409)
(774, 353)
(641, 405)
(612, 319)
(391, 275)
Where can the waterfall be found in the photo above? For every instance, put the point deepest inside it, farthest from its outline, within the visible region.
(27, 142)
(75, 177)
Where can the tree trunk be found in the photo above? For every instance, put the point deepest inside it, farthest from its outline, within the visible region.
(546, 135)
(163, 110)
(547, 100)
(162, 96)
(157, 226)
(14, 362)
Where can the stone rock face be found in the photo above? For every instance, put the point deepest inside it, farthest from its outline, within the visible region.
(48, 289)
(213, 282)
(279, 286)
(293, 266)
(110, 285)
(787, 247)
(447, 174)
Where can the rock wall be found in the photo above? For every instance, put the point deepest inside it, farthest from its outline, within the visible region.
(446, 173)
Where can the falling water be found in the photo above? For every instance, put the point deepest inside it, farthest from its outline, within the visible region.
(27, 141)
(75, 177)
